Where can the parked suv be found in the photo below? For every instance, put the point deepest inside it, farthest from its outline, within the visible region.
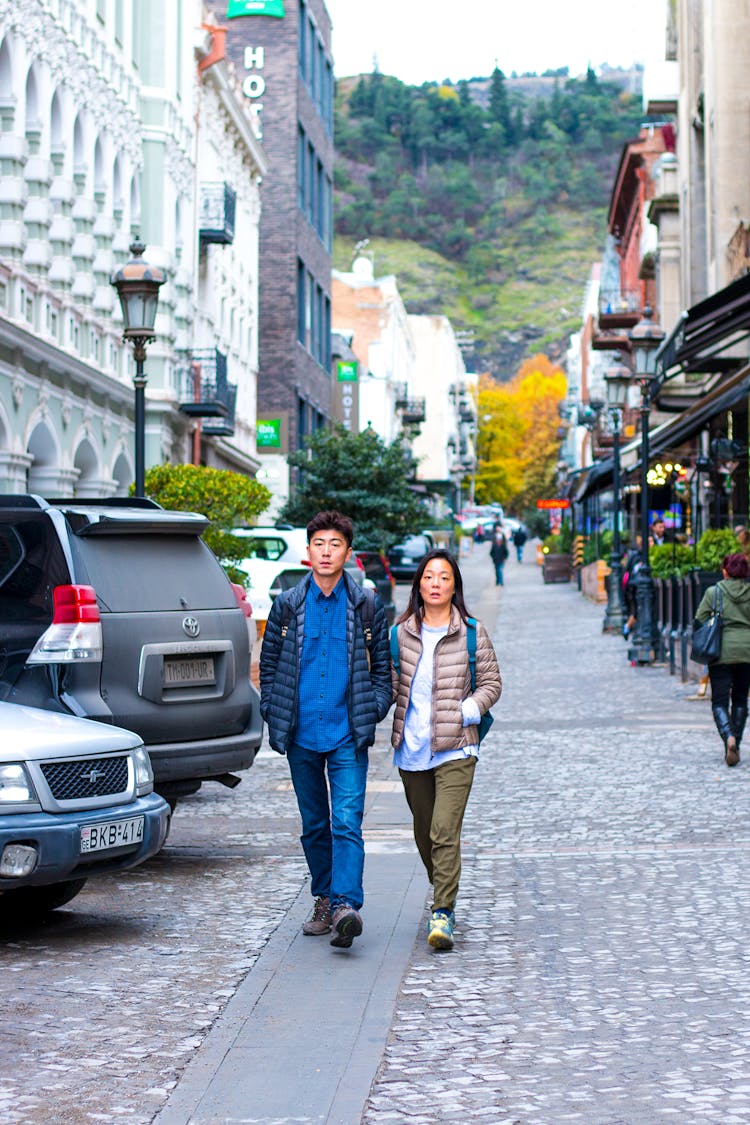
(76, 800)
(116, 610)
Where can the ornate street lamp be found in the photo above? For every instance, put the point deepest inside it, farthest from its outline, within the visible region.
(617, 379)
(645, 337)
(137, 284)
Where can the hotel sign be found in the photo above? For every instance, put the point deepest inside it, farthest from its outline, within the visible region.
(237, 8)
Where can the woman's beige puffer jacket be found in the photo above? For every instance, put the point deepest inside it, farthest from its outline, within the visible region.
(451, 682)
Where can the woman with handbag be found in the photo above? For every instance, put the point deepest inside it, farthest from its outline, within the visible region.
(445, 680)
(730, 674)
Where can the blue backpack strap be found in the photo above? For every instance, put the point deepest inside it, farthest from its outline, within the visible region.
(394, 649)
(471, 645)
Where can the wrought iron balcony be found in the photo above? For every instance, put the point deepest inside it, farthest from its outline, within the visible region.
(412, 410)
(218, 204)
(619, 308)
(223, 427)
(205, 391)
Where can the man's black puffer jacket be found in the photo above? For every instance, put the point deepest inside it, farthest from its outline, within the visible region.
(370, 690)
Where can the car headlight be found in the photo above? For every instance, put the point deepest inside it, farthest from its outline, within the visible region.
(144, 775)
(15, 785)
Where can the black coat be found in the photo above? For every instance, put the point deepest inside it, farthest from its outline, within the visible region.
(370, 687)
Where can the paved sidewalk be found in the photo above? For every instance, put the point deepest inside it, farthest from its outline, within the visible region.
(600, 973)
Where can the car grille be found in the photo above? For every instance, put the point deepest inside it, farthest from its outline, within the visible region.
(90, 777)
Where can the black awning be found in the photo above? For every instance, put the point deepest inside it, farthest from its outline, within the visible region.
(673, 433)
(597, 478)
(707, 329)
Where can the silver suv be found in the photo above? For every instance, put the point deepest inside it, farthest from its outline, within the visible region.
(76, 800)
(116, 610)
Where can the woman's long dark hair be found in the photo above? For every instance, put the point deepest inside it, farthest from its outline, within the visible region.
(416, 601)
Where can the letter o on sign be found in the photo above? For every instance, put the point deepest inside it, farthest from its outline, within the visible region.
(254, 86)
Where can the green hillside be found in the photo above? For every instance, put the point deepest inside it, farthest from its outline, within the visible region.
(491, 214)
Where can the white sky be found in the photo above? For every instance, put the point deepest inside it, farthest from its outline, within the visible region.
(428, 40)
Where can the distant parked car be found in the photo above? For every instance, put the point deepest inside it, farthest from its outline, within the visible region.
(404, 557)
(378, 571)
(116, 610)
(76, 800)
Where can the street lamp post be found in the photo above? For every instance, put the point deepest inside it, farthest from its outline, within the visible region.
(137, 284)
(618, 379)
(645, 338)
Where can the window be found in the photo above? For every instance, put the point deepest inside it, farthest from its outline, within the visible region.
(301, 168)
(301, 422)
(327, 334)
(300, 302)
(302, 44)
(310, 176)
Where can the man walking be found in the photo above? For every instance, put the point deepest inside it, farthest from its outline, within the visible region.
(325, 682)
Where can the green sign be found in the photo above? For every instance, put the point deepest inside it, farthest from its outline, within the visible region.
(268, 435)
(238, 8)
(347, 371)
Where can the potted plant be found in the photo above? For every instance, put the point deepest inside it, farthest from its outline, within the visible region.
(557, 558)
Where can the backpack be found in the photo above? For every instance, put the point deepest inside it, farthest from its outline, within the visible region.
(487, 719)
(366, 615)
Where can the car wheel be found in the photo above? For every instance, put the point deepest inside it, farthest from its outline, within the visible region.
(29, 902)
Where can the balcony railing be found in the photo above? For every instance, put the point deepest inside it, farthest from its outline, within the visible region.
(223, 427)
(412, 410)
(218, 203)
(205, 391)
(619, 308)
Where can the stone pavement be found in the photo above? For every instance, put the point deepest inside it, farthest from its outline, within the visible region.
(600, 973)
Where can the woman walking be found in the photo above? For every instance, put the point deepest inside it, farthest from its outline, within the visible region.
(730, 674)
(436, 723)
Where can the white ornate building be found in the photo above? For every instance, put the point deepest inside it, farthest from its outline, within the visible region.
(109, 129)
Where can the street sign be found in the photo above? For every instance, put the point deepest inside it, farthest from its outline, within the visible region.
(553, 504)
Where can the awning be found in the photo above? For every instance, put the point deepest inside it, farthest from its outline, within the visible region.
(597, 477)
(677, 430)
(707, 329)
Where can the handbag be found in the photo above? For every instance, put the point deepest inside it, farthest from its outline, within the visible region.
(706, 646)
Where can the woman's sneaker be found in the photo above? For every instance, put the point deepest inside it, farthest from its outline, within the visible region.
(440, 929)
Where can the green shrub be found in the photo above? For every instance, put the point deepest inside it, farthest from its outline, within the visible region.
(713, 545)
(671, 559)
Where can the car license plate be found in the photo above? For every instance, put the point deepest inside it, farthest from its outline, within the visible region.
(188, 671)
(111, 834)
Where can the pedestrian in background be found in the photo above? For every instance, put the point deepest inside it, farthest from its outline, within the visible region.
(435, 724)
(499, 553)
(325, 682)
(730, 674)
(519, 538)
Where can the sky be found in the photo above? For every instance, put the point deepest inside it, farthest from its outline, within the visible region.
(429, 40)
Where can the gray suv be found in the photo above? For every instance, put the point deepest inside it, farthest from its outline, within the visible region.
(116, 610)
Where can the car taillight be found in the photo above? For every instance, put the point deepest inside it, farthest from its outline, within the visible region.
(75, 634)
(360, 564)
(387, 569)
(241, 595)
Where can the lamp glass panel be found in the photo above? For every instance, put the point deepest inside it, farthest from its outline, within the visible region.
(617, 390)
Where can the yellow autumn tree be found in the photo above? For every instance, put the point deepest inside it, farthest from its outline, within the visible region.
(518, 443)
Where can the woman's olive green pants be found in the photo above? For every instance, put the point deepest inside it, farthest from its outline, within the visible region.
(437, 799)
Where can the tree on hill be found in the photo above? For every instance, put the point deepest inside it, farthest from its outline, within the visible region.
(361, 476)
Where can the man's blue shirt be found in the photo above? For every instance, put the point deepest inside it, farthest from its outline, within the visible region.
(323, 717)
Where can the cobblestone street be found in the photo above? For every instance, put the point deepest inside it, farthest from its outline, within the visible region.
(599, 974)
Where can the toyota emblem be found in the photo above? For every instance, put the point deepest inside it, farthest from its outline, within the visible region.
(191, 626)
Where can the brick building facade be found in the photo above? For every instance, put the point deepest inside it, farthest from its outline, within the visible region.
(286, 69)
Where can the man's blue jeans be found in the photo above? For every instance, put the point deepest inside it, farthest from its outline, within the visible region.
(332, 834)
